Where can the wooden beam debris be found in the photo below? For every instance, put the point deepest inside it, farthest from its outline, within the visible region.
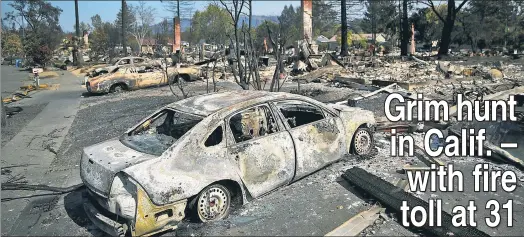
(358, 223)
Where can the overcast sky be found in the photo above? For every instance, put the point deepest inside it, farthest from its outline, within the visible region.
(108, 9)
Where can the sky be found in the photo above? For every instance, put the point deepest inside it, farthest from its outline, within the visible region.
(108, 9)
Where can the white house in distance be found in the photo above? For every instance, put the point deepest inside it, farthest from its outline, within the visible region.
(324, 43)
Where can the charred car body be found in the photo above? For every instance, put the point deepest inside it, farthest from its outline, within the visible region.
(197, 156)
(137, 77)
(126, 61)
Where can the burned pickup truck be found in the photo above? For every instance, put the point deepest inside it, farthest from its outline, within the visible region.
(137, 77)
(198, 156)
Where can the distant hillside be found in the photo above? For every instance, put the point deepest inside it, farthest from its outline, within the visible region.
(186, 23)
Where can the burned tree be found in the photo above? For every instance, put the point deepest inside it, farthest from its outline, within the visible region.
(448, 20)
(251, 52)
(278, 42)
(234, 9)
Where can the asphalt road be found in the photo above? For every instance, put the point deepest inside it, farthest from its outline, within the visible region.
(314, 205)
(12, 79)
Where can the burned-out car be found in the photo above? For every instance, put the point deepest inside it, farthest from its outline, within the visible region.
(119, 62)
(197, 156)
(137, 77)
(126, 78)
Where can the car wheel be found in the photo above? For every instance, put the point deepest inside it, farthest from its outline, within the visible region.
(363, 141)
(213, 203)
(117, 88)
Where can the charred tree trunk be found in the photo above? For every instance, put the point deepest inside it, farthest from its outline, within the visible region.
(344, 30)
(405, 29)
(445, 41)
(78, 52)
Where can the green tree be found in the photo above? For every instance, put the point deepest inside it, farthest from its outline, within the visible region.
(349, 38)
(129, 21)
(84, 27)
(288, 19)
(325, 18)
(43, 33)
(382, 17)
(261, 34)
(11, 44)
(211, 25)
(104, 37)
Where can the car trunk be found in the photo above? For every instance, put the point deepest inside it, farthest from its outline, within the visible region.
(101, 162)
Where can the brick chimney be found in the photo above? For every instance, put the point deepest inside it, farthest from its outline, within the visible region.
(307, 20)
(412, 38)
(176, 43)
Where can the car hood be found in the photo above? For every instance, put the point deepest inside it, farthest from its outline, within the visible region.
(101, 162)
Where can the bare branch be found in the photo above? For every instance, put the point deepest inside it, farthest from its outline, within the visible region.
(430, 4)
(460, 6)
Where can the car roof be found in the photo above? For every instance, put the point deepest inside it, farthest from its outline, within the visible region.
(208, 104)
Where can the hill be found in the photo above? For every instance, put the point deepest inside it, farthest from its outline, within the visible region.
(185, 24)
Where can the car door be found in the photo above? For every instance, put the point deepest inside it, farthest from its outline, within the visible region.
(317, 134)
(147, 78)
(262, 149)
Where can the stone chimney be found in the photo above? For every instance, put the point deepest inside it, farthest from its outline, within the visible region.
(86, 39)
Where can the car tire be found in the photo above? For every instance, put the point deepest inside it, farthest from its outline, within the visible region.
(363, 141)
(213, 203)
(117, 88)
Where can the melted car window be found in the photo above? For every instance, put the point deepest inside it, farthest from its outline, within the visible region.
(124, 62)
(298, 113)
(138, 60)
(158, 133)
(215, 138)
(252, 123)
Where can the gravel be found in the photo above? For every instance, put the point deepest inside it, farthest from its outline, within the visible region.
(101, 121)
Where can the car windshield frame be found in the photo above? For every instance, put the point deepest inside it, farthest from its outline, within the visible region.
(127, 140)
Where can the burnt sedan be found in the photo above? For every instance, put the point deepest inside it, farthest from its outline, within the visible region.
(198, 156)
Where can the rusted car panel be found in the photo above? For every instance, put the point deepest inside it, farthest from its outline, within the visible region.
(261, 141)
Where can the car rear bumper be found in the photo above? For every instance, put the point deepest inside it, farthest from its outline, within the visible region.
(150, 220)
(103, 221)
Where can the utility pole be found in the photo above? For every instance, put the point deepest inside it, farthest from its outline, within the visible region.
(373, 27)
(343, 30)
(76, 43)
(75, 47)
(124, 46)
